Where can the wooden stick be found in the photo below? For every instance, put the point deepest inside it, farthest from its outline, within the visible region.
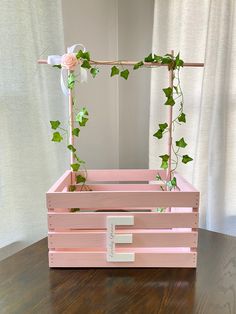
(71, 121)
(132, 63)
(170, 116)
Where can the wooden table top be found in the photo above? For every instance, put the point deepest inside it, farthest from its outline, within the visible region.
(27, 285)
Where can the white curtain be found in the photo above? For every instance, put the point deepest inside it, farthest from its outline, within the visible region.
(30, 96)
(203, 31)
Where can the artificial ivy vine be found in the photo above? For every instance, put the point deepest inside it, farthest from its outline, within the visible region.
(173, 97)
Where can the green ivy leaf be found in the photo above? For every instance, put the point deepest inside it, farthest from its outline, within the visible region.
(79, 54)
(84, 55)
(57, 137)
(86, 64)
(114, 70)
(82, 117)
(163, 126)
(71, 148)
(84, 121)
(71, 188)
(168, 91)
(186, 159)
(181, 143)
(94, 72)
(157, 59)
(80, 179)
(170, 101)
(75, 166)
(179, 62)
(172, 183)
(73, 210)
(160, 209)
(165, 159)
(55, 124)
(182, 117)
(158, 134)
(76, 131)
(149, 58)
(57, 66)
(71, 80)
(125, 74)
(167, 59)
(138, 65)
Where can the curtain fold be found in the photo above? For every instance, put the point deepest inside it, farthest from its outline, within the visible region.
(201, 31)
(30, 96)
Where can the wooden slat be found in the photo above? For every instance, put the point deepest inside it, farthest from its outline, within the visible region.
(141, 220)
(141, 238)
(121, 174)
(62, 182)
(128, 209)
(183, 184)
(143, 258)
(121, 187)
(115, 199)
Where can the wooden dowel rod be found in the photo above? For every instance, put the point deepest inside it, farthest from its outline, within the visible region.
(71, 119)
(170, 117)
(132, 63)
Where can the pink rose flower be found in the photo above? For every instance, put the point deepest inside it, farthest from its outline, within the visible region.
(69, 61)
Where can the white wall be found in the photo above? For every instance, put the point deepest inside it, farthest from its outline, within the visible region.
(117, 133)
(135, 21)
(94, 23)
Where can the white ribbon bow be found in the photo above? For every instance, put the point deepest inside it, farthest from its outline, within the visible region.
(81, 73)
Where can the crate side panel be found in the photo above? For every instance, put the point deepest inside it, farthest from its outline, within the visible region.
(121, 174)
(121, 187)
(62, 182)
(183, 184)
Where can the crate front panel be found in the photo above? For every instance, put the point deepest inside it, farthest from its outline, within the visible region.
(158, 239)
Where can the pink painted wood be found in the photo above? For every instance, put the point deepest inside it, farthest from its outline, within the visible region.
(121, 174)
(142, 220)
(79, 239)
(141, 238)
(143, 258)
(183, 184)
(63, 181)
(111, 199)
(170, 123)
(121, 187)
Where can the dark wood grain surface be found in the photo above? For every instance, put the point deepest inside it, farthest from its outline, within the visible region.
(27, 285)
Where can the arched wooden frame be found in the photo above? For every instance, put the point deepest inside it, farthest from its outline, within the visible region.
(132, 63)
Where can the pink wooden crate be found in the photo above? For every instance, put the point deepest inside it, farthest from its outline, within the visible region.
(118, 225)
